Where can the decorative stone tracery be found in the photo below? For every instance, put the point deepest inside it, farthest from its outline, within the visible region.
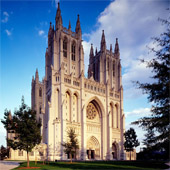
(91, 111)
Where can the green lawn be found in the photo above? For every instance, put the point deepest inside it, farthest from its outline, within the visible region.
(115, 165)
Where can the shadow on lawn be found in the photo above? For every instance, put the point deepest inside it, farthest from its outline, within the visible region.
(112, 165)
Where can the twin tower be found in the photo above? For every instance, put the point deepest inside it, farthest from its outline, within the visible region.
(104, 65)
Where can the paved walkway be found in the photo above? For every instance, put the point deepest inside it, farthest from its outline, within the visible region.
(7, 165)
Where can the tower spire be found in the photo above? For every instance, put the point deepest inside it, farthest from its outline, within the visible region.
(78, 27)
(103, 42)
(50, 30)
(50, 35)
(111, 48)
(69, 26)
(58, 18)
(116, 47)
(91, 51)
(91, 61)
(36, 75)
(32, 79)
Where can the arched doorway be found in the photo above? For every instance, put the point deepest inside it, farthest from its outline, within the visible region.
(114, 151)
(94, 130)
(93, 148)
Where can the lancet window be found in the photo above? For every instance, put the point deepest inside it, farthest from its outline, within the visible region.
(113, 68)
(73, 51)
(40, 92)
(65, 47)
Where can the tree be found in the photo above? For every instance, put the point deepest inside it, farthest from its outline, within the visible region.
(25, 127)
(4, 152)
(71, 146)
(130, 140)
(149, 138)
(158, 91)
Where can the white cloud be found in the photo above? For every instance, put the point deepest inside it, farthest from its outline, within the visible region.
(2, 133)
(86, 35)
(6, 13)
(139, 112)
(5, 17)
(9, 33)
(40, 32)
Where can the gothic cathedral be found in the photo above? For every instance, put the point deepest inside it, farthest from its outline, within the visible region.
(65, 98)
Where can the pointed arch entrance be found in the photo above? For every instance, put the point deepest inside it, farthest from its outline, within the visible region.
(94, 130)
(93, 148)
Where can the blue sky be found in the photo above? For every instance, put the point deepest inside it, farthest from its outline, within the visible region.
(24, 30)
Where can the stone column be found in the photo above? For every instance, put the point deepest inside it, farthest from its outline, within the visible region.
(83, 118)
(83, 137)
(122, 126)
(109, 121)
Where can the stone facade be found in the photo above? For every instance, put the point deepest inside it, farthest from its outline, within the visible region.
(65, 98)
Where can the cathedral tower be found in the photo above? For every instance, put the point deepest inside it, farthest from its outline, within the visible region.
(65, 98)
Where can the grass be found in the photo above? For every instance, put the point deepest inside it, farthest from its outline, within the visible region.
(115, 165)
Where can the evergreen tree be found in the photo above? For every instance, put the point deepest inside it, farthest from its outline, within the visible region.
(149, 138)
(71, 146)
(25, 127)
(130, 140)
(158, 91)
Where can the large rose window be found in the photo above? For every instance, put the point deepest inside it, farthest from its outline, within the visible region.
(91, 111)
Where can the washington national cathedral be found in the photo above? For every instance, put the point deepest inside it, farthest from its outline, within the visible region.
(65, 98)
